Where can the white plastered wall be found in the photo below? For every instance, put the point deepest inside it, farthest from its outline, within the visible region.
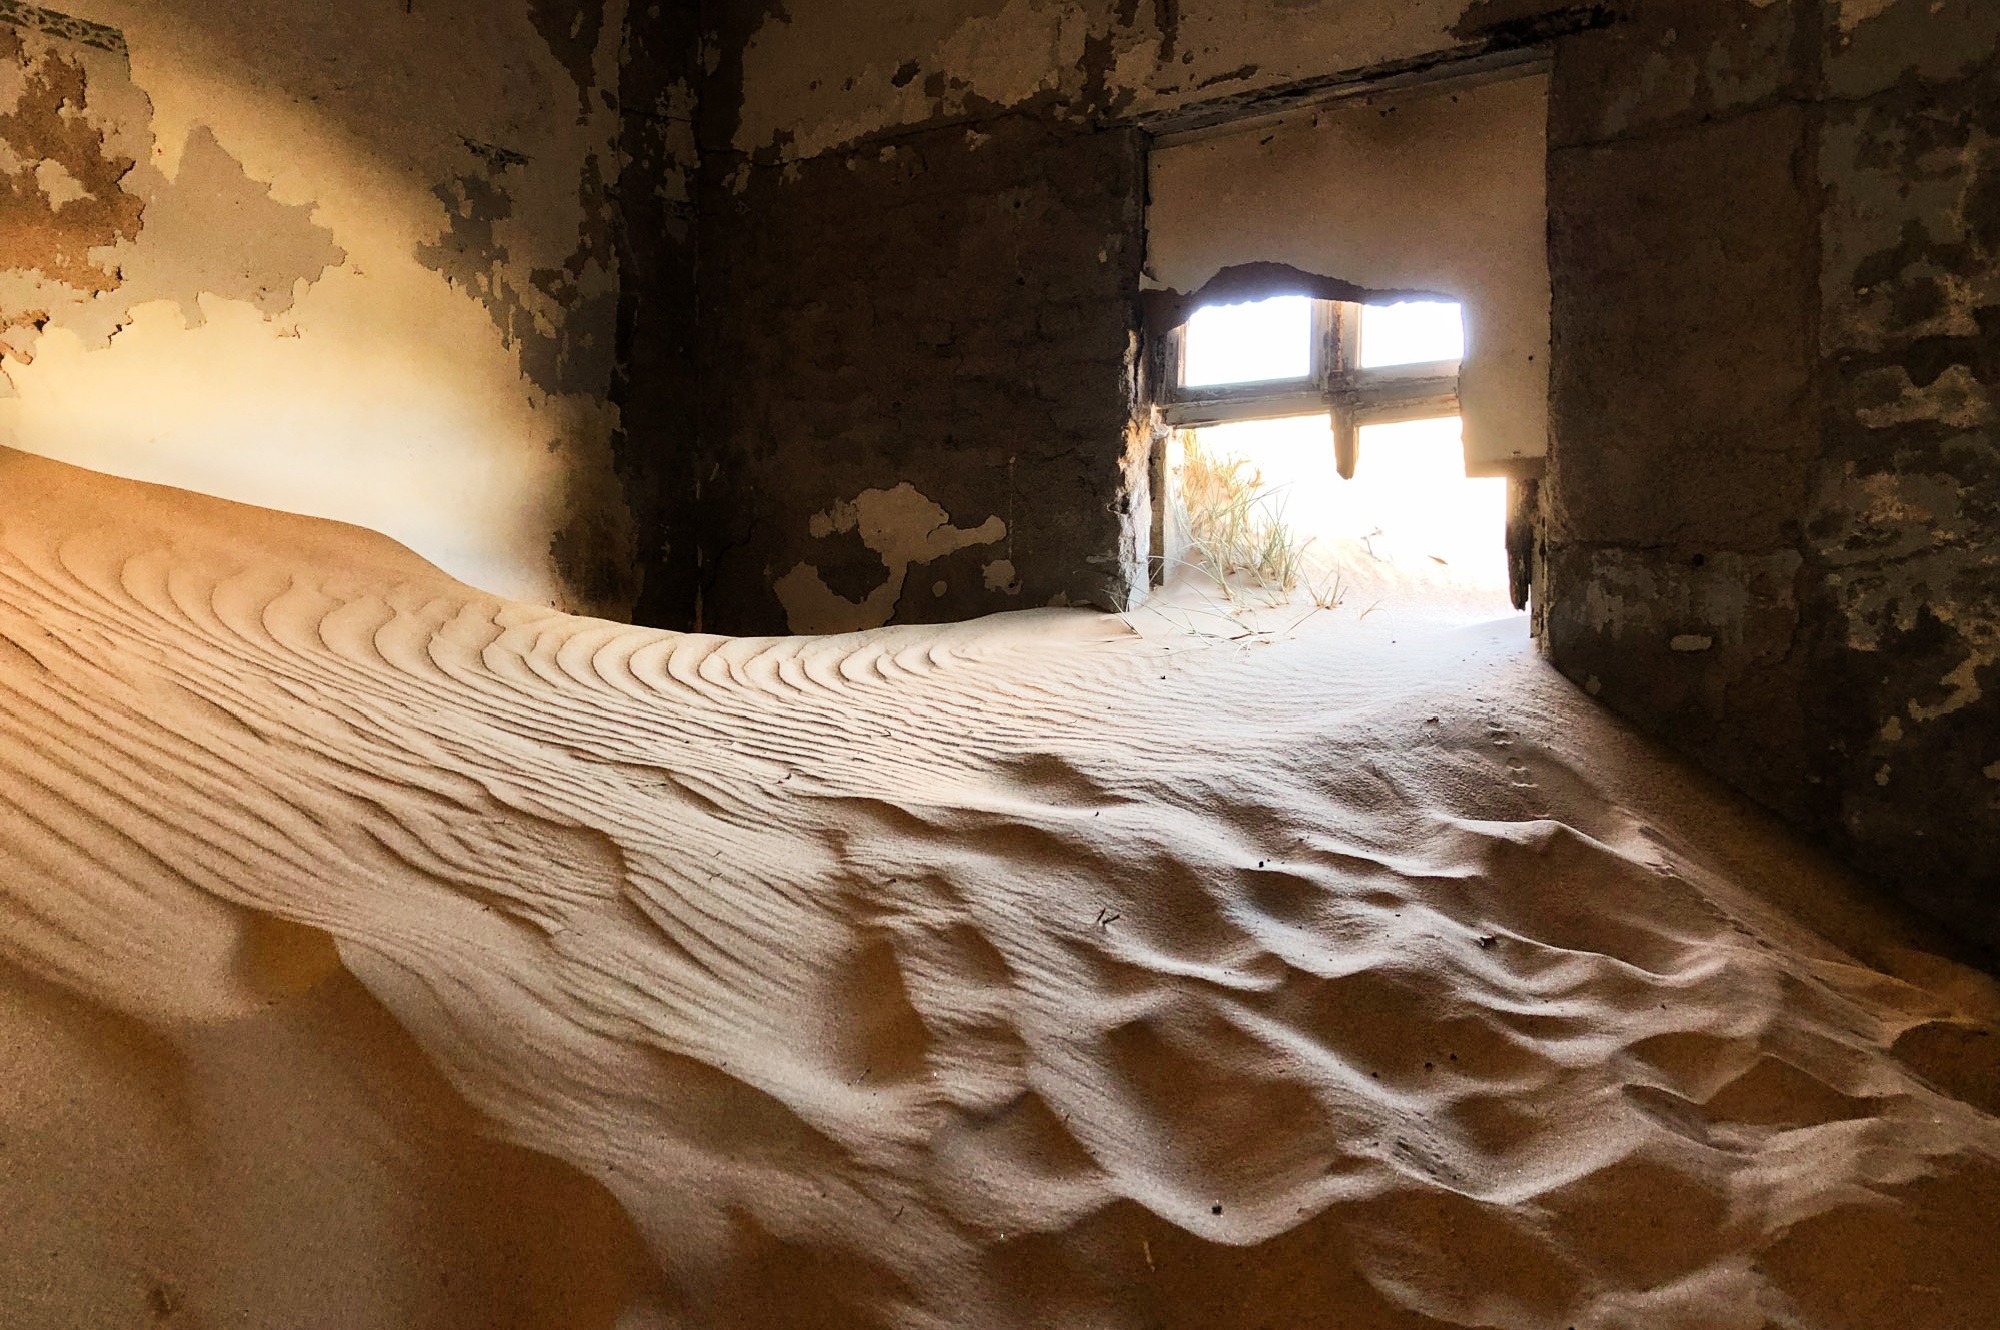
(377, 370)
(1440, 189)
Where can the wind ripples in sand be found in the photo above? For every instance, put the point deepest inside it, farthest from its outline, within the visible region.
(982, 976)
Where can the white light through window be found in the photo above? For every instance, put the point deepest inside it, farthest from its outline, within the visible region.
(1254, 343)
(1413, 333)
(1410, 503)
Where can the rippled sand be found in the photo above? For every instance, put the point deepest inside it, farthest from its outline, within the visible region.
(381, 954)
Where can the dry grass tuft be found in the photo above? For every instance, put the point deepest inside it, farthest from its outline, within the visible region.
(1233, 524)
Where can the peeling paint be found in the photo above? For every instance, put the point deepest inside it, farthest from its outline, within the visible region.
(556, 317)
(824, 76)
(1955, 398)
(277, 248)
(1853, 13)
(100, 233)
(55, 134)
(1000, 576)
(1964, 685)
(903, 528)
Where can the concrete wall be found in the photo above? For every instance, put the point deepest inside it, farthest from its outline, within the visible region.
(1775, 477)
(358, 260)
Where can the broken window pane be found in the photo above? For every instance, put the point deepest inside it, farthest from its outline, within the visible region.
(1415, 332)
(1259, 342)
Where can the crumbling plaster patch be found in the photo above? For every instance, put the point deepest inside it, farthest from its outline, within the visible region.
(1955, 398)
(904, 529)
(63, 191)
(277, 250)
(1853, 13)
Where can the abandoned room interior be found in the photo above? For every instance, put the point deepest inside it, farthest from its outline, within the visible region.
(999, 664)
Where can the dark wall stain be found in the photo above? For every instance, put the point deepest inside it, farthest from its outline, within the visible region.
(46, 125)
(1167, 18)
(34, 18)
(572, 30)
(654, 382)
(593, 551)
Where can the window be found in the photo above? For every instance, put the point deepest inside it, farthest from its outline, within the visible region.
(1295, 356)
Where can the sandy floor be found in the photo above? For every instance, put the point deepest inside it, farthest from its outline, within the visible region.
(380, 954)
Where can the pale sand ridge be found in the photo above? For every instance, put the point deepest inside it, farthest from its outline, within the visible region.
(1024, 973)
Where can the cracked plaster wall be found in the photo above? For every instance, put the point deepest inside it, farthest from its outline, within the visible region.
(355, 260)
(1775, 479)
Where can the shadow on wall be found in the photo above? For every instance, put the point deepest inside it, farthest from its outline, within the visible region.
(357, 265)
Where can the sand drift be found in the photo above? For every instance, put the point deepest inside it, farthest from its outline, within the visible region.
(381, 953)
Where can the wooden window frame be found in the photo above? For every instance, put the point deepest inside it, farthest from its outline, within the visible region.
(1335, 383)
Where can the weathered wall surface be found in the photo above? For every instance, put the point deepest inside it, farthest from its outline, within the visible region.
(1902, 529)
(820, 76)
(352, 260)
(922, 238)
(923, 354)
(1775, 479)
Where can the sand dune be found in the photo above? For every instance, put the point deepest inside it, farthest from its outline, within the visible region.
(366, 936)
